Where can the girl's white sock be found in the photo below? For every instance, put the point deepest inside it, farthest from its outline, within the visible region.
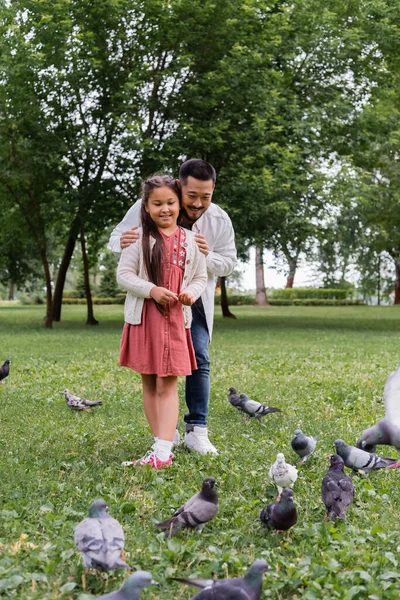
(163, 449)
(155, 439)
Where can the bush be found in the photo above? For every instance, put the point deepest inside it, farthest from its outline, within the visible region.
(96, 300)
(236, 299)
(320, 293)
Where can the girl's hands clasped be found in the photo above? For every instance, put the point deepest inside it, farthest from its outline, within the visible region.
(186, 299)
(162, 296)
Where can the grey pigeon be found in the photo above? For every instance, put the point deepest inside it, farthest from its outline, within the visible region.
(386, 431)
(76, 403)
(337, 489)
(282, 474)
(196, 512)
(303, 445)
(100, 539)
(5, 370)
(249, 406)
(248, 587)
(360, 460)
(281, 515)
(132, 587)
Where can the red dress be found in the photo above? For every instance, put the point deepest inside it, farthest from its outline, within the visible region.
(161, 345)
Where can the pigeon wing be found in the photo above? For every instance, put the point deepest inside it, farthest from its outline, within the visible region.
(114, 539)
(392, 398)
(223, 591)
(250, 406)
(89, 539)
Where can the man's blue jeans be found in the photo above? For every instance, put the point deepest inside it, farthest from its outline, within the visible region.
(197, 392)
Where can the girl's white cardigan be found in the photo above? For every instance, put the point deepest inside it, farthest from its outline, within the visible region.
(131, 275)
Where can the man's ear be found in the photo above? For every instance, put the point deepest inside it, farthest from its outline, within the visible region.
(178, 183)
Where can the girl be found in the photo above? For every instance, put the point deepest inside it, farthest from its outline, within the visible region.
(164, 274)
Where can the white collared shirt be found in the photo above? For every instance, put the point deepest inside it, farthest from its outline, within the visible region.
(217, 229)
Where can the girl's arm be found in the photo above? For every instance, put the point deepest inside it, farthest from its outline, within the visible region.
(198, 283)
(127, 272)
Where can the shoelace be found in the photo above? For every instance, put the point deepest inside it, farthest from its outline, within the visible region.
(146, 458)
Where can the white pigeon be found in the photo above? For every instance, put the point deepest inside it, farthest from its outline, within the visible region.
(282, 474)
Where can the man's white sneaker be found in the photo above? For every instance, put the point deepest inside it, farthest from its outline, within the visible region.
(177, 438)
(198, 440)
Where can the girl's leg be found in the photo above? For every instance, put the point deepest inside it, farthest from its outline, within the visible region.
(167, 407)
(150, 402)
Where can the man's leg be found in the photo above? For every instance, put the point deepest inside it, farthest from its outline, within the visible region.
(197, 390)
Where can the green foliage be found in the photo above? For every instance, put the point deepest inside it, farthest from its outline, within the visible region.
(118, 299)
(108, 284)
(236, 299)
(325, 367)
(320, 293)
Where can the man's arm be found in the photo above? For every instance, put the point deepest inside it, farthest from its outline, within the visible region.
(131, 219)
(223, 258)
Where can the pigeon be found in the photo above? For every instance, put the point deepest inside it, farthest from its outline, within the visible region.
(360, 460)
(249, 406)
(76, 403)
(365, 446)
(386, 431)
(248, 587)
(281, 515)
(282, 474)
(132, 587)
(197, 511)
(303, 445)
(5, 370)
(100, 539)
(337, 489)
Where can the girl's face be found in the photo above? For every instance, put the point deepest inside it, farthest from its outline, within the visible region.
(163, 207)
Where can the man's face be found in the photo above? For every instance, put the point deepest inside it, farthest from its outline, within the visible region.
(196, 197)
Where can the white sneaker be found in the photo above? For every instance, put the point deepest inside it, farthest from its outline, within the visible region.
(177, 438)
(198, 440)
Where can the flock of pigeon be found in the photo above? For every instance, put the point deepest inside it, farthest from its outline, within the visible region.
(100, 538)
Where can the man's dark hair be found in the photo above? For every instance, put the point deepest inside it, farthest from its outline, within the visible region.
(197, 168)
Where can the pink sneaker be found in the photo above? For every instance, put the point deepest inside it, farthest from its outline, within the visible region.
(151, 459)
(155, 462)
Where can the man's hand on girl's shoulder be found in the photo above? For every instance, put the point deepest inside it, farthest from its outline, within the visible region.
(202, 243)
(129, 237)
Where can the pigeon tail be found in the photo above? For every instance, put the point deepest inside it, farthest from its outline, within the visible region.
(121, 564)
(170, 526)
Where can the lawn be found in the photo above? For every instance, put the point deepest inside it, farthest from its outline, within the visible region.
(324, 367)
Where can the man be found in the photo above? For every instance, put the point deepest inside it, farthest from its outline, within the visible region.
(215, 238)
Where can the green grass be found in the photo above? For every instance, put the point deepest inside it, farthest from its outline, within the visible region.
(325, 367)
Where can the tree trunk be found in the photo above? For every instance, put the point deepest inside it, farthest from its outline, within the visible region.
(11, 287)
(224, 299)
(261, 294)
(89, 302)
(62, 271)
(397, 282)
(48, 320)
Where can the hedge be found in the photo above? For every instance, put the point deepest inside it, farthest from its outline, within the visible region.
(236, 299)
(95, 300)
(320, 293)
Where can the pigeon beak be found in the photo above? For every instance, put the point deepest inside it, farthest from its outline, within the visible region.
(152, 582)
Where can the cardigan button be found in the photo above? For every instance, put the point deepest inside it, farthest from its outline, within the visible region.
(188, 262)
